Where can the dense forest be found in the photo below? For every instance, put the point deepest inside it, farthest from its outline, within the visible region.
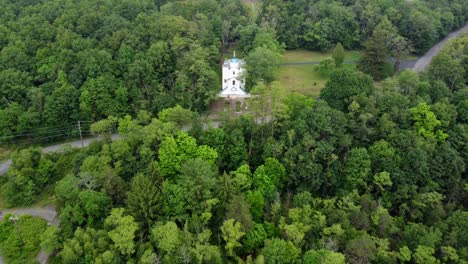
(368, 172)
(65, 61)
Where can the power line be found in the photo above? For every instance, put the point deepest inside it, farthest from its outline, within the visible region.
(46, 133)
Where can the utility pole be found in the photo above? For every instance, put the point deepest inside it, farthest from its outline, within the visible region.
(81, 136)
(15, 219)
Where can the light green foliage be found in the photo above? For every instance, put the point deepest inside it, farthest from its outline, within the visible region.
(262, 65)
(382, 180)
(266, 39)
(268, 177)
(30, 172)
(427, 122)
(404, 254)
(105, 126)
(99, 98)
(168, 239)
(326, 67)
(174, 151)
(289, 182)
(257, 202)
(408, 81)
(122, 231)
(183, 118)
(323, 256)
(231, 231)
(449, 65)
(20, 237)
(299, 222)
(50, 239)
(86, 245)
(338, 55)
(357, 169)
(255, 238)
(278, 251)
(174, 204)
(424, 255)
(95, 206)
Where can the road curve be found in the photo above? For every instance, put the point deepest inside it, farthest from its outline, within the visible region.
(48, 213)
(418, 65)
(58, 148)
(423, 62)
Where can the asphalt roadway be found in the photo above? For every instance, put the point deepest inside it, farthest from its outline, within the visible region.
(50, 214)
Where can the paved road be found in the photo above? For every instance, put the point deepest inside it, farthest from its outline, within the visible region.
(418, 65)
(425, 60)
(57, 148)
(48, 213)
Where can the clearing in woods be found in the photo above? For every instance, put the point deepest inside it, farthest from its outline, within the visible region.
(297, 73)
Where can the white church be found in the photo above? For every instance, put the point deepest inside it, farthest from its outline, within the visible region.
(233, 82)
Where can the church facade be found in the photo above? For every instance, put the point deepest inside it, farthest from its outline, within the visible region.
(233, 81)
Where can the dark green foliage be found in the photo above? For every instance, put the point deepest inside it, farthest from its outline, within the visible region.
(343, 86)
(359, 175)
(30, 172)
(143, 200)
(374, 58)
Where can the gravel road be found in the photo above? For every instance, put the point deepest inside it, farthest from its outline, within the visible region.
(425, 60)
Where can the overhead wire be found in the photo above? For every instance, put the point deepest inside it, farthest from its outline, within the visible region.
(43, 134)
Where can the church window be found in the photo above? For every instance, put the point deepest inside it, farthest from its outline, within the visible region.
(234, 73)
(233, 82)
(225, 80)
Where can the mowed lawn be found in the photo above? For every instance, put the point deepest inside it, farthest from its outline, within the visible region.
(302, 78)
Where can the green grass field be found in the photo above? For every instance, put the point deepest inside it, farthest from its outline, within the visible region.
(300, 55)
(302, 78)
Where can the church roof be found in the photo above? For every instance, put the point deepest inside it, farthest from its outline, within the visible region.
(233, 60)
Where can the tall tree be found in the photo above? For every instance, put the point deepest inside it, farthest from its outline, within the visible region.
(338, 55)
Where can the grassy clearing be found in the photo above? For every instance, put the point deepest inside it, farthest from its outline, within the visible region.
(302, 78)
(300, 55)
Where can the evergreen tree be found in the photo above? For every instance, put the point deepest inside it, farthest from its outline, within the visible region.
(375, 54)
(338, 55)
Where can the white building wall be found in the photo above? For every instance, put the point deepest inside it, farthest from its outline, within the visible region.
(233, 79)
(233, 76)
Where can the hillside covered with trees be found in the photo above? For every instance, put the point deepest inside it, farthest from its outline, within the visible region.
(365, 173)
(64, 61)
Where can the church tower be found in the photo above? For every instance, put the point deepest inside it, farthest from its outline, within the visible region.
(233, 82)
